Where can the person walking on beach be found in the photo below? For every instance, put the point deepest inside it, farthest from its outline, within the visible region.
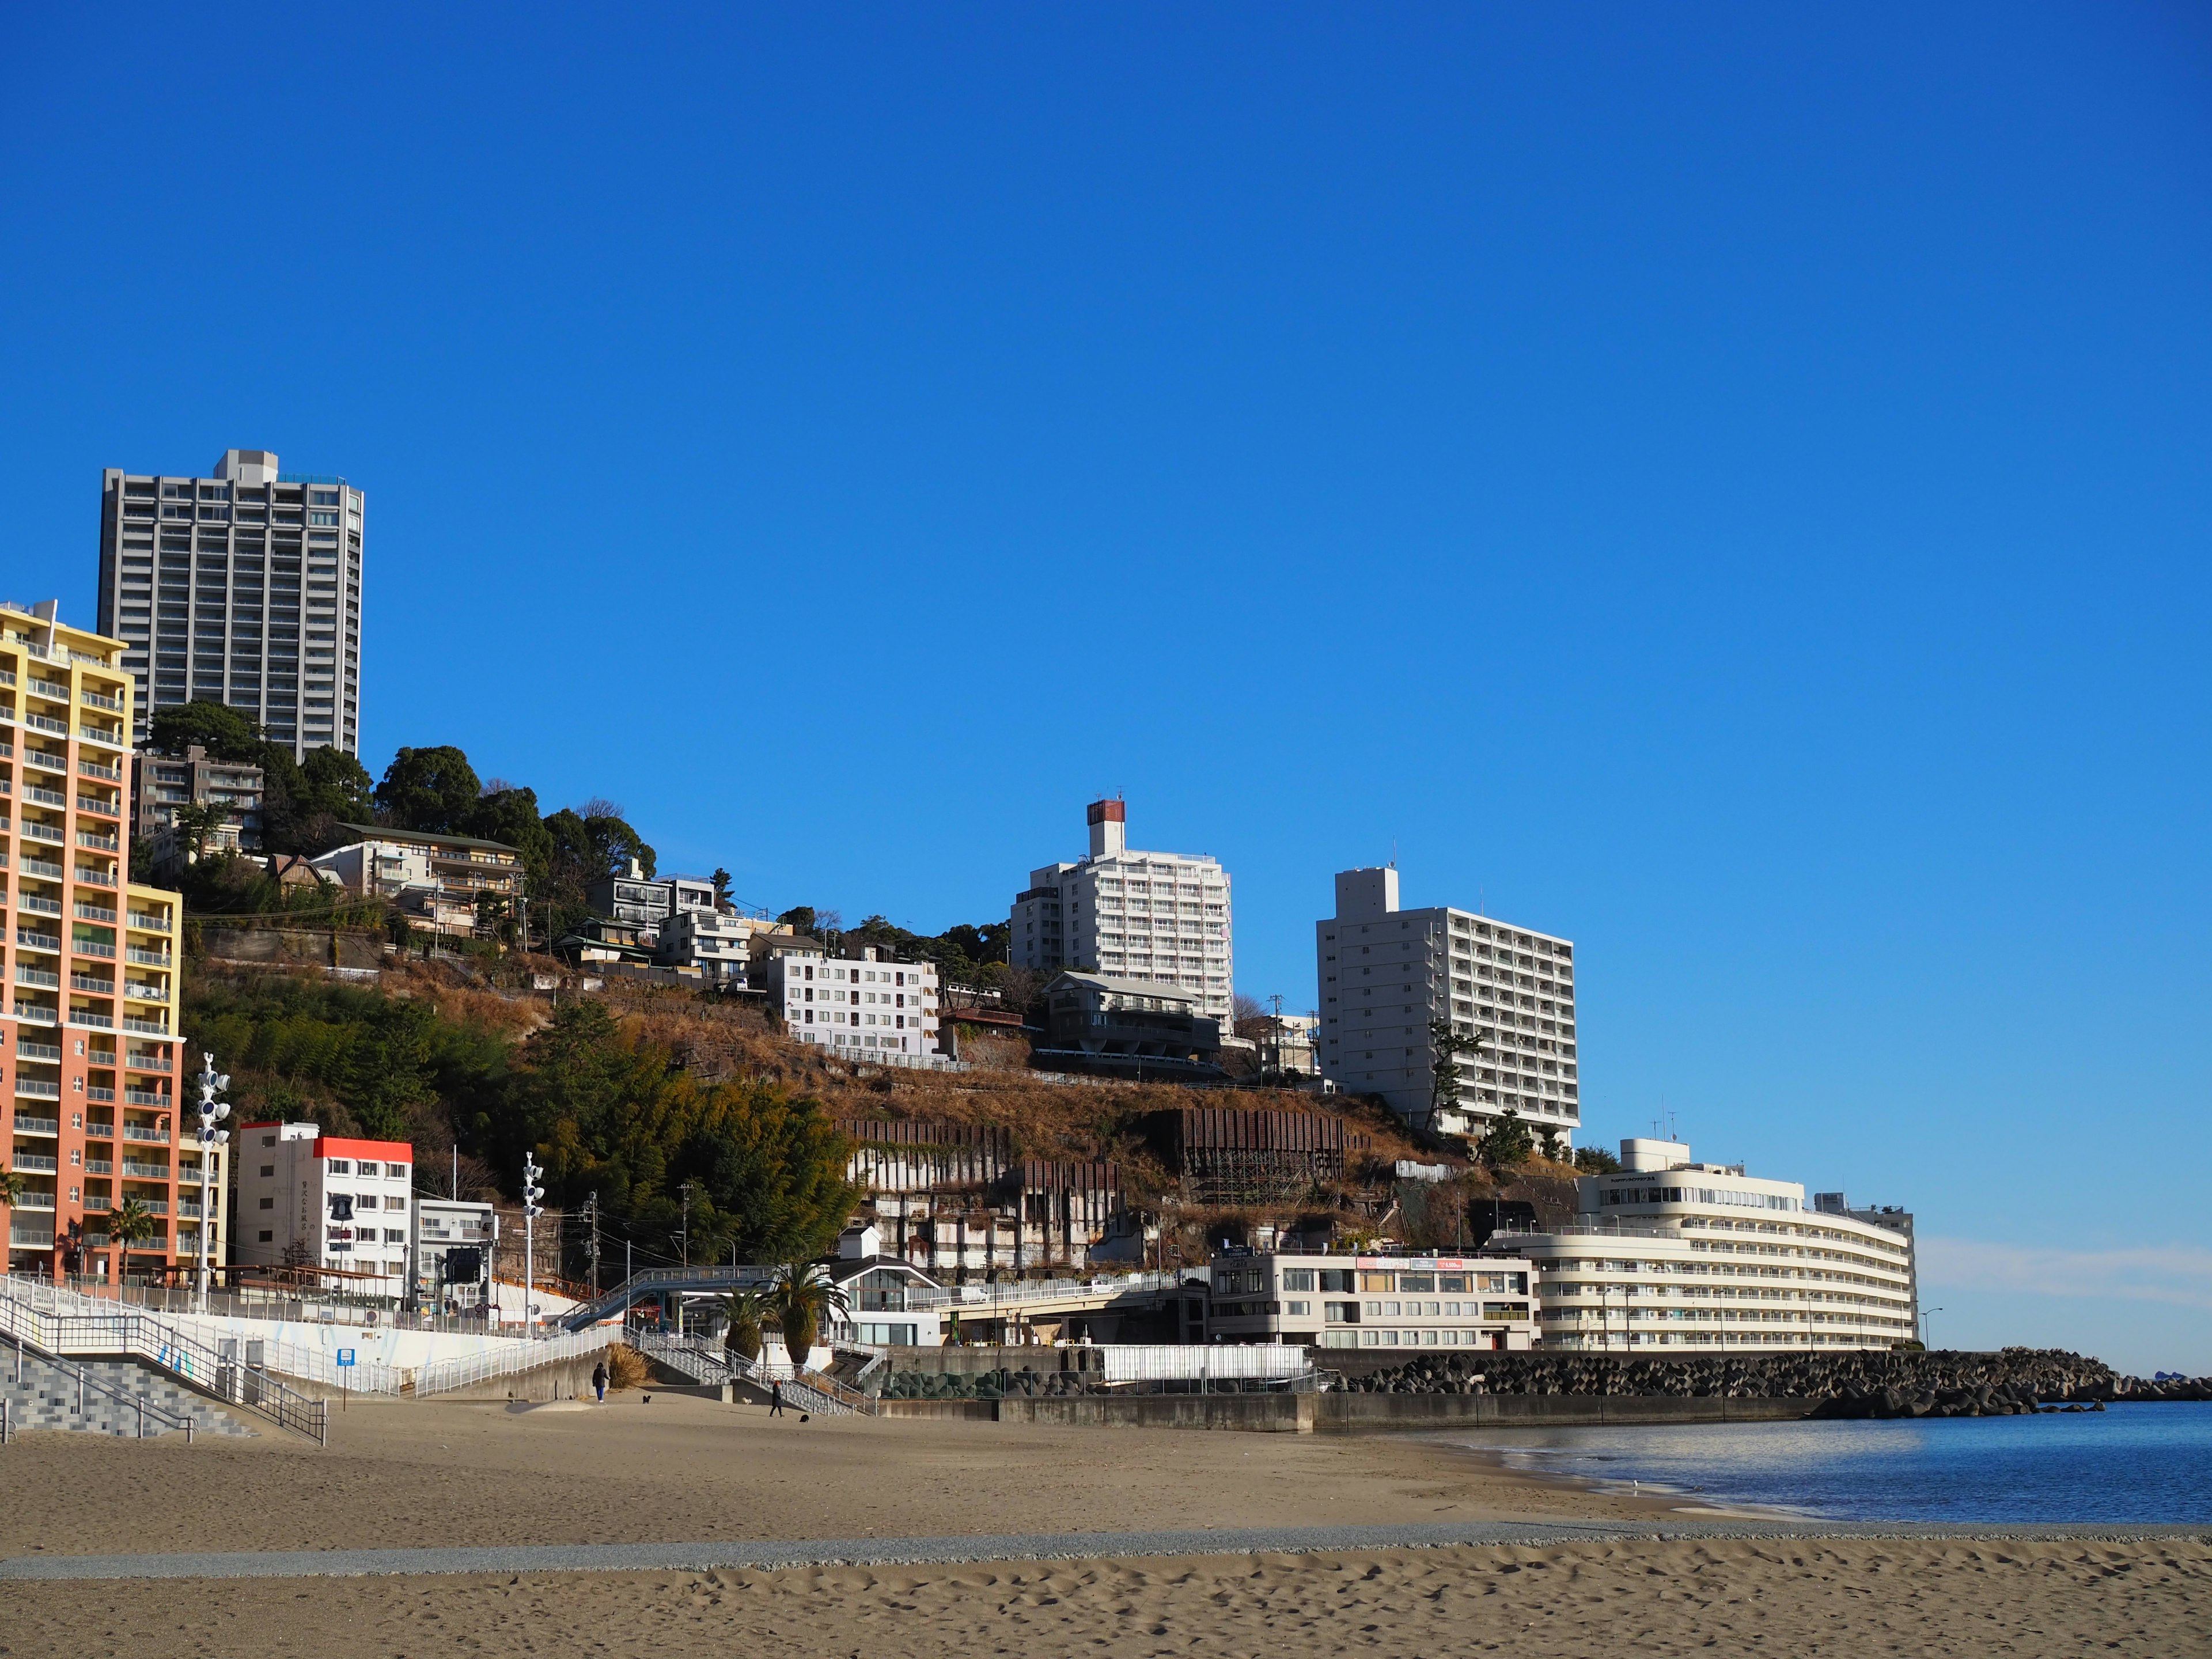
(600, 1380)
(775, 1399)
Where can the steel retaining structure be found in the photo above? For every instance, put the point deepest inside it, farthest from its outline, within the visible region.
(59, 1336)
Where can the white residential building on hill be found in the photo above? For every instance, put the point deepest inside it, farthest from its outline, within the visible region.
(309, 1200)
(1384, 973)
(867, 1002)
(1163, 917)
(1675, 1255)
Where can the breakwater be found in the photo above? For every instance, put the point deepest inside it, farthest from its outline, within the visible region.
(1895, 1382)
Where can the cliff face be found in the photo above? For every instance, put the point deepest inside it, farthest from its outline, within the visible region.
(1872, 1383)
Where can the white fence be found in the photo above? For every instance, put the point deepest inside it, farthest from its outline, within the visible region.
(973, 1298)
(1272, 1362)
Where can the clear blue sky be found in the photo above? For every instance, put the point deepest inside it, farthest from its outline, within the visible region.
(1729, 488)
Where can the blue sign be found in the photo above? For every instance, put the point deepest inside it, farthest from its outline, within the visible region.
(345, 1356)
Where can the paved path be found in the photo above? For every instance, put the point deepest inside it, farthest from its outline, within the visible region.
(1032, 1546)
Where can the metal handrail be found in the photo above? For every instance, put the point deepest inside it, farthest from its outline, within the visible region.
(58, 1336)
(85, 1380)
(697, 1357)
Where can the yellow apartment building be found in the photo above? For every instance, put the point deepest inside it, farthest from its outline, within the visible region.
(91, 1068)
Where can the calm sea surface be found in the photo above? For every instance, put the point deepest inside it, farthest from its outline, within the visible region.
(2149, 1463)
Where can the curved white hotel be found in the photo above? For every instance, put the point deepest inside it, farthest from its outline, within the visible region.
(1673, 1253)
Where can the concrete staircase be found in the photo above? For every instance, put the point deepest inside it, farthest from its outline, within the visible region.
(47, 1396)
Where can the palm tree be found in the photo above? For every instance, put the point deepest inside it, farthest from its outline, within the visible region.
(12, 1189)
(127, 1223)
(802, 1296)
(747, 1311)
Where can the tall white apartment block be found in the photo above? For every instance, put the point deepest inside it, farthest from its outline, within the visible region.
(1159, 916)
(242, 588)
(1384, 973)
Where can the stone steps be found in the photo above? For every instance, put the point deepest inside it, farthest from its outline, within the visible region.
(46, 1399)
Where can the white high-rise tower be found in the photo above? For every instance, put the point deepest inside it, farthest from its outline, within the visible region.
(242, 588)
(1159, 916)
(1384, 973)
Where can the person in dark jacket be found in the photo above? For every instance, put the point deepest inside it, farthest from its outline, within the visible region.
(600, 1380)
(775, 1399)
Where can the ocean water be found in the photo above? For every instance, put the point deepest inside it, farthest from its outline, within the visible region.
(2136, 1463)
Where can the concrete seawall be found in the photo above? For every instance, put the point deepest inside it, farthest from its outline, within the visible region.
(1350, 1414)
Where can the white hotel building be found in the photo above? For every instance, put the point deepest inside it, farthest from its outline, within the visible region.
(309, 1200)
(1384, 973)
(1675, 1255)
(1163, 917)
(868, 1003)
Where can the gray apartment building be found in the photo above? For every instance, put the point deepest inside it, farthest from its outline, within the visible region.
(242, 588)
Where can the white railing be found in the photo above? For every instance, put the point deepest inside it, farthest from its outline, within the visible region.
(441, 1376)
(1274, 1362)
(704, 1361)
(116, 1330)
(964, 1299)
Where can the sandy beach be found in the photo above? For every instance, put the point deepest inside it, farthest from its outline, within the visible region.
(682, 1470)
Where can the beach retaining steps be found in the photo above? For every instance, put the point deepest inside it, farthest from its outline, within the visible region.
(46, 1399)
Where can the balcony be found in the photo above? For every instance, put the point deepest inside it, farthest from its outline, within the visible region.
(145, 920)
(133, 1170)
(94, 700)
(142, 1027)
(43, 723)
(98, 1166)
(99, 1129)
(36, 1126)
(45, 872)
(141, 1131)
(31, 901)
(35, 1202)
(48, 689)
(101, 1092)
(101, 734)
(87, 983)
(91, 947)
(93, 912)
(140, 990)
(44, 832)
(37, 1013)
(27, 975)
(44, 796)
(150, 1097)
(49, 1052)
(93, 769)
(30, 940)
(45, 761)
(91, 1019)
(85, 873)
(36, 1164)
(145, 1059)
(140, 954)
(97, 843)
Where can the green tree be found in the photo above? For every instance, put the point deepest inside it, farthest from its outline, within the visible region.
(11, 1188)
(429, 789)
(1447, 1044)
(195, 823)
(721, 880)
(803, 1299)
(748, 1312)
(129, 1223)
(1595, 1160)
(1506, 1143)
(799, 916)
(509, 815)
(222, 731)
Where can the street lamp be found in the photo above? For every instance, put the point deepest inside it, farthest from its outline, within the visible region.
(532, 1191)
(212, 1140)
(1928, 1328)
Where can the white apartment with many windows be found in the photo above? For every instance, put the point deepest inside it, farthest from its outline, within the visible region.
(242, 588)
(1384, 973)
(309, 1200)
(864, 1005)
(1163, 917)
(1328, 1300)
(1675, 1255)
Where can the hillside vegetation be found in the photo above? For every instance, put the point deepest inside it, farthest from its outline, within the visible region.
(628, 1097)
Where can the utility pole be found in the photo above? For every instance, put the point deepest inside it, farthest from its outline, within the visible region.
(687, 1256)
(591, 1209)
(532, 1191)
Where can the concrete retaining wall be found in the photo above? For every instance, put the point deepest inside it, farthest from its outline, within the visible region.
(1371, 1413)
(567, 1379)
(1266, 1414)
(1349, 1414)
